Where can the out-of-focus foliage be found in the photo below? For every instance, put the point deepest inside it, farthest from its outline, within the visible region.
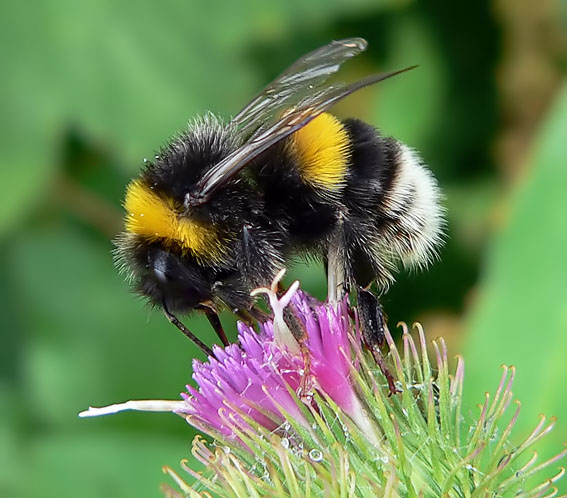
(90, 88)
(521, 317)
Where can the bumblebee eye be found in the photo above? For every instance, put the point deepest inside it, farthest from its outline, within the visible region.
(159, 266)
(160, 275)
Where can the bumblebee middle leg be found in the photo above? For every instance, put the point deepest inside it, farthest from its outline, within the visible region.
(335, 265)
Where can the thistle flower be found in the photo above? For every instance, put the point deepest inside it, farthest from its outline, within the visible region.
(345, 436)
(260, 377)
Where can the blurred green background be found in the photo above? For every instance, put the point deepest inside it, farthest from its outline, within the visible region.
(89, 88)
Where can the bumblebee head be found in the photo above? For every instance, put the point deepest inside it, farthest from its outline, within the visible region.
(170, 282)
(168, 255)
(156, 202)
(169, 251)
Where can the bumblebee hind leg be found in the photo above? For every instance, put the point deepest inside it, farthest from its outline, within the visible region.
(370, 311)
(373, 326)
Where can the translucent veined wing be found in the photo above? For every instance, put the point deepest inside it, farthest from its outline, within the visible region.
(305, 76)
(287, 104)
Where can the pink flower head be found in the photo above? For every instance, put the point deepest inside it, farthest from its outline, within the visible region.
(249, 378)
(255, 376)
(328, 344)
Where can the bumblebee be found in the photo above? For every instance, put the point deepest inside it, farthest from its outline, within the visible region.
(224, 205)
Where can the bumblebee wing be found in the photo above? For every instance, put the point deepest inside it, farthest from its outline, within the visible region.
(303, 77)
(290, 121)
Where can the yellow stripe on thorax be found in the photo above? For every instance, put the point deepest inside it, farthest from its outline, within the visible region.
(155, 218)
(323, 150)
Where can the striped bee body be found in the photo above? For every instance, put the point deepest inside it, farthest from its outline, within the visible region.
(224, 206)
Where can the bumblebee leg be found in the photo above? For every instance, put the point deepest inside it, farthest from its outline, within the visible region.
(299, 333)
(371, 318)
(252, 315)
(335, 265)
(215, 322)
(305, 386)
(175, 321)
(244, 316)
(258, 314)
(373, 326)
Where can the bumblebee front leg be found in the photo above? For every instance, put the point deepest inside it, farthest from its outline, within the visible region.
(373, 326)
(251, 315)
(213, 317)
(175, 321)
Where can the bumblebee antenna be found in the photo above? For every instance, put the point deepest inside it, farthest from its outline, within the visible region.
(175, 321)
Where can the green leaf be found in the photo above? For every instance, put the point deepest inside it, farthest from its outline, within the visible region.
(93, 340)
(93, 464)
(408, 106)
(521, 315)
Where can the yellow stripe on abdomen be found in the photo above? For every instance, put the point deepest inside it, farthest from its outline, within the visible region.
(155, 218)
(322, 149)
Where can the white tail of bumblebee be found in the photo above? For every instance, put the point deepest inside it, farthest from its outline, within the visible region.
(413, 227)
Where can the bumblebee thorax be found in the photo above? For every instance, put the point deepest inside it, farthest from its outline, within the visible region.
(155, 202)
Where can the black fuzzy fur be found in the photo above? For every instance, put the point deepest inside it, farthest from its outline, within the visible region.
(267, 214)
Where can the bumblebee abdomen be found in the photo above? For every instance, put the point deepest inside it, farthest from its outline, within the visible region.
(392, 205)
(411, 211)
